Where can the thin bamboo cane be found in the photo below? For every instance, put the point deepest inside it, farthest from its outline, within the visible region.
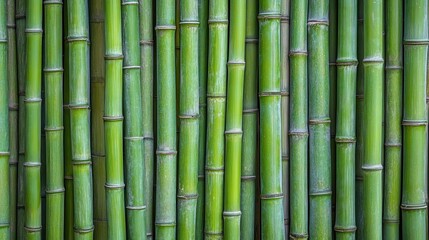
(147, 84)
(203, 9)
(250, 121)
(284, 73)
(53, 76)
(96, 22)
(345, 224)
(234, 118)
(272, 215)
(413, 204)
(13, 117)
(78, 105)
(133, 128)
(298, 120)
(372, 120)
(187, 192)
(216, 91)
(393, 137)
(33, 107)
(320, 194)
(4, 125)
(165, 216)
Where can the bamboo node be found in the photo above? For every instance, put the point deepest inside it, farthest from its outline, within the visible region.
(53, 129)
(312, 22)
(78, 106)
(189, 116)
(33, 30)
(113, 56)
(410, 207)
(298, 235)
(340, 139)
(284, 93)
(252, 40)
(47, 2)
(77, 39)
(114, 186)
(21, 93)
(146, 42)
(297, 53)
(200, 176)
(188, 196)
(213, 233)
(68, 177)
(4, 225)
(359, 96)
(20, 16)
(166, 152)
(269, 15)
(231, 214)
(267, 94)
(13, 107)
(387, 220)
(319, 121)
(165, 27)
(215, 96)
(285, 158)
(20, 206)
(32, 100)
(190, 23)
(32, 164)
(217, 21)
(284, 19)
(298, 133)
(149, 137)
(165, 224)
(372, 167)
(81, 162)
(350, 229)
(83, 230)
(130, 67)
(136, 138)
(347, 62)
(3, 40)
(250, 110)
(236, 62)
(393, 67)
(54, 191)
(372, 60)
(60, 69)
(13, 161)
(11, 25)
(248, 177)
(422, 42)
(387, 144)
(113, 118)
(214, 169)
(130, 3)
(414, 122)
(321, 193)
(136, 208)
(234, 131)
(33, 229)
(271, 196)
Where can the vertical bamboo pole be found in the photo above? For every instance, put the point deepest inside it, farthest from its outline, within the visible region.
(393, 137)
(372, 121)
(216, 91)
(298, 129)
(33, 107)
(250, 121)
(165, 216)
(53, 76)
(413, 204)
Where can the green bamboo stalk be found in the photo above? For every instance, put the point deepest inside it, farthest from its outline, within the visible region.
(53, 76)
(68, 168)
(133, 128)
(320, 194)
(298, 121)
(113, 121)
(165, 216)
(147, 84)
(78, 104)
(393, 137)
(96, 27)
(284, 74)
(250, 121)
(234, 117)
(4, 125)
(216, 99)
(33, 111)
(345, 224)
(413, 205)
(187, 193)
(272, 215)
(13, 117)
(372, 120)
(203, 9)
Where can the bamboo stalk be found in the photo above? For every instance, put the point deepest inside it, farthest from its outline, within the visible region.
(413, 204)
(203, 9)
(372, 120)
(13, 117)
(78, 104)
(165, 216)
(272, 215)
(298, 121)
(393, 137)
(4, 125)
(147, 84)
(216, 99)
(53, 76)
(97, 110)
(320, 194)
(234, 118)
(133, 129)
(33, 111)
(284, 73)
(250, 121)
(345, 224)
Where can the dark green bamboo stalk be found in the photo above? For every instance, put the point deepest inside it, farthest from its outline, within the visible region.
(250, 121)
(234, 117)
(345, 224)
(187, 192)
(216, 99)
(284, 74)
(147, 84)
(33, 107)
(393, 137)
(4, 125)
(13, 117)
(78, 104)
(203, 9)
(165, 216)
(372, 120)
(298, 121)
(96, 22)
(413, 205)
(21, 68)
(320, 194)
(53, 76)
(113, 121)
(133, 128)
(272, 215)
